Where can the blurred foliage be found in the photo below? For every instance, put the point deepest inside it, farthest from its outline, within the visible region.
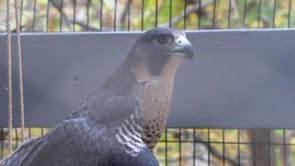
(122, 15)
(176, 145)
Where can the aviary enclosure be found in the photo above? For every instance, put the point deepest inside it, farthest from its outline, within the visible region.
(194, 145)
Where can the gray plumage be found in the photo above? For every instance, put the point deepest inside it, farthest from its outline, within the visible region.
(120, 122)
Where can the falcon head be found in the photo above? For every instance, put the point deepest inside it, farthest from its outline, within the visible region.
(160, 50)
(155, 56)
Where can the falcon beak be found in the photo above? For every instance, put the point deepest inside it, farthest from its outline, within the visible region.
(183, 46)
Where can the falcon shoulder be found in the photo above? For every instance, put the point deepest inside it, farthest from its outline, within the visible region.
(88, 136)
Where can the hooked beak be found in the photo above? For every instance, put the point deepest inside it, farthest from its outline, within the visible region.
(183, 46)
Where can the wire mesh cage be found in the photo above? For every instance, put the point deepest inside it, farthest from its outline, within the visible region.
(182, 146)
(128, 15)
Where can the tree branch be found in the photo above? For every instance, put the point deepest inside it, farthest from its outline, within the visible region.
(125, 12)
(59, 8)
(211, 149)
(189, 10)
(70, 21)
(215, 152)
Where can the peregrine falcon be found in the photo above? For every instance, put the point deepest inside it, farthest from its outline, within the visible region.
(120, 123)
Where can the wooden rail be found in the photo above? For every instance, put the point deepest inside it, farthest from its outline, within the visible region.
(238, 78)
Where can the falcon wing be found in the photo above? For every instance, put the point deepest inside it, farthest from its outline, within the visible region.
(84, 139)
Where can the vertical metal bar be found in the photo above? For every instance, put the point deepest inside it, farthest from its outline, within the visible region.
(239, 148)
(16, 139)
(21, 13)
(223, 147)
(209, 149)
(115, 15)
(214, 15)
(142, 15)
(254, 147)
(269, 146)
(274, 14)
(229, 14)
(100, 15)
(170, 14)
(128, 15)
(88, 15)
(156, 14)
(245, 13)
(2, 138)
(74, 15)
(194, 150)
(42, 131)
(179, 145)
(166, 147)
(259, 14)
(284, 147)
(185, 16)
(61, 15)
(30, 132)
(34, 15)
(199, 14)
(47, 15)
(289, 13)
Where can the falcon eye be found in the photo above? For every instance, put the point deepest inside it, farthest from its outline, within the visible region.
(162, 40)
